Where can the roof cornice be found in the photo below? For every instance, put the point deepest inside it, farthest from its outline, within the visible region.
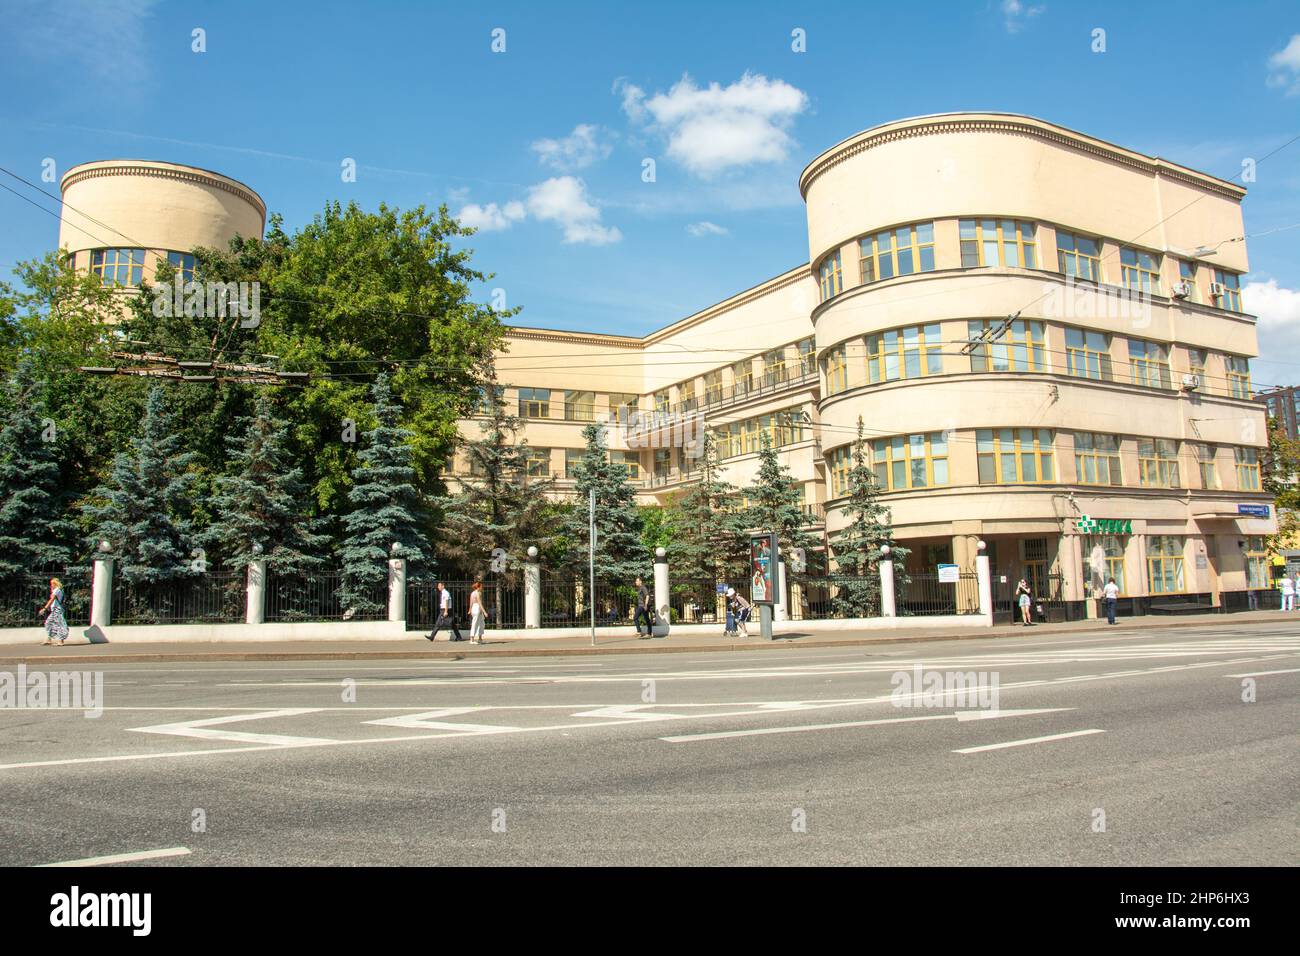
(160, 170)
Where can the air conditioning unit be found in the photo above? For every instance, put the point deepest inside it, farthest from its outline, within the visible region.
(1216, 288)
(1182, 290)
(1191, 382)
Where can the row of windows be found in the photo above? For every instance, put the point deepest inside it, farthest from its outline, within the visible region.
(917, 350)
(1026, 456)
(1012, 243)
(125, 267)
(785, 427)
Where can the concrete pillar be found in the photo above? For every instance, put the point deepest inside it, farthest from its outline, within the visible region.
(532, 590)
(779, 611)
(101, 593)
(255, 594)
(397, 589)
(887, 585)
(985, 583)
(662, 604)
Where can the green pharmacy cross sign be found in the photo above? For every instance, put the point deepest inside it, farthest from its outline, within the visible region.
(1086, 525)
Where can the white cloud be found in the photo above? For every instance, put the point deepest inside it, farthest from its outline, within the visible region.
(1284, 67)
(720, 127)
(109, 39)
(578, 150)
(1278, 310)
(563, 200)
(705, 228)
(491, 218)
(1016, 15)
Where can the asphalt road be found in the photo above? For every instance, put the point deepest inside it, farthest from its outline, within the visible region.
(738, 758)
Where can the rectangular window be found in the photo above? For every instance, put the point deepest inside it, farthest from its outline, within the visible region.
(897, 252)
(1087, 354)
(1149, 363)
(905, 353)
(1196, 363)
(1247, 468)
(1079, 256)
(836, 370)
(743, 373)
(663, 462)
(534, 403)
(1096, 459)
(579, 406)
(631, 460)
(661, 401)
(687, 397)
(713, 387)
(841, 464)
(910, 461)
(1014, 455)
(997, 242)
(1227, 290)
(1205, 456)
(1158, 462)
(1187, 277)
(1256, 554)
(537, 462)
(571, 458)
(1019, 348)
(1105, 555)
(807, 356)
(773, 367)
(184, 264)
(1238, 372)
(123, 267)
(1139, 270)
(830, 276)
(622, 405)
(1165, 564)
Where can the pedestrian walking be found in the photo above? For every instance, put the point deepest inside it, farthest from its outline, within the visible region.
(1288, 593)
(643, 610)
(1025, 599)
(56, 625)
(445, 616)
(477, 613)
(1295, 587)
(740, 610)
(1110, 599)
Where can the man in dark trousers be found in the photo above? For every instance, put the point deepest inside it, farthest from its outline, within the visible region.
(445, 616)
(643, 610)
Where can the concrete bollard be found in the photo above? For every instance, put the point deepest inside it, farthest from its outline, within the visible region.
(985, 583)
(255, 593)
(887, 608)
(101, 593)
(779, 611)
(662, 606)
(397, 589)
(532, 590)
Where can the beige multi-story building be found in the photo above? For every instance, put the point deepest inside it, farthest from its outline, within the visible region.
(1041, 332)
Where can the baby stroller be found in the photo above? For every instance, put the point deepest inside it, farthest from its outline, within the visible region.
(731, 623)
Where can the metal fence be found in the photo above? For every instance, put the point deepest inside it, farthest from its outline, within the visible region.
(315, 597)
(695, 602)
(918, 594)
(210, 598)
(1048, 597)
(23, 595)
(566, 603)
(503, 601)
(822, 597)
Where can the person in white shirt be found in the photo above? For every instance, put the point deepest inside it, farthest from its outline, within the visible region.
(1111, 598)
(445, 617)
(1288, 593)
(477, 615)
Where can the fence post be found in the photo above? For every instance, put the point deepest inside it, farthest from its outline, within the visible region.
(397, 589)
(663, 609)
(255, 608)
(985, 583)
(101, 590)
(886, 583)
(779, 612)
(532, 590)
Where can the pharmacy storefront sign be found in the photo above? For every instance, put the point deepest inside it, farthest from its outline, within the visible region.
(1087, 525)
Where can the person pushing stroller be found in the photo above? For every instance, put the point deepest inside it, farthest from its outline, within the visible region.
(738, 610)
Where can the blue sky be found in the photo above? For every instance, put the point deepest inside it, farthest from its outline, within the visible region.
(543, 144)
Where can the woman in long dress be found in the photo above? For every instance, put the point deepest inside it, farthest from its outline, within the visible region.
(56, 625)
(477, 616)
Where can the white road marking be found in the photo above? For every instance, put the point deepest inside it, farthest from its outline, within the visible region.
(427, 721)
(199, 729)
(800, 728)
(1293, 670)
(632, 712)
(1026, 742)
(123, 857)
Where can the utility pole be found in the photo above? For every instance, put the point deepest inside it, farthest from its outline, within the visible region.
(591, 562)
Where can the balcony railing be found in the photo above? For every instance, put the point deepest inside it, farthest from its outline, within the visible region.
(765, 384)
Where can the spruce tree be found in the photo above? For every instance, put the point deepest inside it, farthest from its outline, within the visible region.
(777, 504)
(857, 546)
(387, 509)
(620, 555)
(708, 535)
(34, 534)
(144, 509)
(263, 501)
(498, 506)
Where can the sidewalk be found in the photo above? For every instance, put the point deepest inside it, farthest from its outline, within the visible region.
(415, 647)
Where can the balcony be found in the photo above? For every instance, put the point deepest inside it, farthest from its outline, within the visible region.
(764, 385)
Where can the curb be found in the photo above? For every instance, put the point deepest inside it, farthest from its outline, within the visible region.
(510, 650)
